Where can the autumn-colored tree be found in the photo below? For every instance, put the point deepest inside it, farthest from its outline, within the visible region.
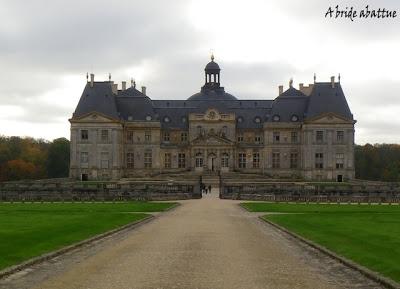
(22, 158)
(18, 169)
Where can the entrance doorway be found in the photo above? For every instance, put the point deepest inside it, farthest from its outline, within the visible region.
(85, 177)
(340, 178)
(212, 165)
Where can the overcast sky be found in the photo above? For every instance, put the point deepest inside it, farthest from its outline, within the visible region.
(46, 48)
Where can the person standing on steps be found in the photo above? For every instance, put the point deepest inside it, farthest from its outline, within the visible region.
(209, 188)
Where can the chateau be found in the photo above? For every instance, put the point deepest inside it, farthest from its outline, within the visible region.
(303, 133)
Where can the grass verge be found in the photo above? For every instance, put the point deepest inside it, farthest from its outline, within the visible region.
(368, 235)
(29, 230)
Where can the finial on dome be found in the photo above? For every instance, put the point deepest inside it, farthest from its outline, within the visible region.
(315, 77)
(212, 56)
(109, 76)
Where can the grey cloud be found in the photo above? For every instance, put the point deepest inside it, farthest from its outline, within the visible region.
(67, 36)
(41, 41)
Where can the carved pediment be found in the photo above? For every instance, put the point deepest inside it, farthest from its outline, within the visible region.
(329, 118)
(94, 117)
(211, 140)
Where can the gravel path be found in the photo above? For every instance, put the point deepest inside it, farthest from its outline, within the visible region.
(207, 243)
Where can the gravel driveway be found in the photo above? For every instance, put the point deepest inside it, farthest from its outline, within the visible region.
(207, 243)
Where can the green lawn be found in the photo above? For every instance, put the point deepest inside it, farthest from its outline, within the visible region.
(368, 235)
(28, 230)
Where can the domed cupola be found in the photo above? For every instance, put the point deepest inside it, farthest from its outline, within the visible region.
(212, 71)
(212, 90)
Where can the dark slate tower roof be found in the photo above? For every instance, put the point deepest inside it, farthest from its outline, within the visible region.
(291, 92)
(289, 106)
(98, 98)
(325, 98)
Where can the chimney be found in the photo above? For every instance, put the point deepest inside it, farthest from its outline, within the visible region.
(114, 88)
(333, 81)
(144, 90)
(123, 85)
(280, 89)
(301, 86)
(91, 79)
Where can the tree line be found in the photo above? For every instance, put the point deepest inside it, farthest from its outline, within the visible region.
(29, 158)
(378, 162)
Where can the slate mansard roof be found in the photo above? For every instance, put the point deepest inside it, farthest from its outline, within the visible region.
(290, 106)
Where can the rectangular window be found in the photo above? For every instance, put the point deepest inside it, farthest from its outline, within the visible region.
(225, 160)
(257, 139)
(242, 160)
(84, 157)
(294, 137)
(276, 136)
(147, 136)
(167, 160)
(184, 137)
(340, 136)
(319, 160)
(104, 135)
(181, 161)
(166, 136)
(199, 160)
(339, 161)
(148, 160)
(240, 137)
(104, 160)
(293, 160)
(129, 137)
(319, 136)
(276, 160)
(84, 134)
(256, 160)
(130, 160)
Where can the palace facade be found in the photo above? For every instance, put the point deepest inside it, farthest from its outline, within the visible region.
(303, 133)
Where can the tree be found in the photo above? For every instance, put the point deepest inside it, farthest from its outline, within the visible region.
(58, 158)
(18, 169)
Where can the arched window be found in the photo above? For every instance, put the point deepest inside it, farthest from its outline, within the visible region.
(199, 130)
(199, 160)
(224, 130)
(225, 160)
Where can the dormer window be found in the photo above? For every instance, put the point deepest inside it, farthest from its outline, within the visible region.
(148, 117)
(276, 118)
(257, 119)
(295, 118)
(167, 119)
(240, 119)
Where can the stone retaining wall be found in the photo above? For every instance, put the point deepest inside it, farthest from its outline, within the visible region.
(303, 192)
(108, 191)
